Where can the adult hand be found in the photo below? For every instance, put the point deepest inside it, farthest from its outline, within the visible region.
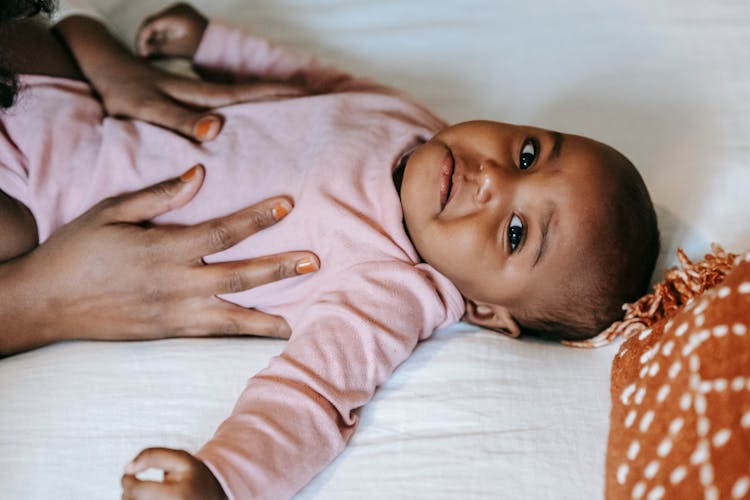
(185, 477)
(110, 275)
(130, 86)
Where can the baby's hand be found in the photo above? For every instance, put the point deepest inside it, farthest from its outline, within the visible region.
(185, 477)
(173, 32)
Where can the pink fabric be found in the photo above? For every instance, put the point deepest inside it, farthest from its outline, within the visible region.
(353, 322)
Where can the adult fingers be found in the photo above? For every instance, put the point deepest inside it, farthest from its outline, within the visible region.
(224, 232)
(213, 95)
(225, 318)
(266, 90)
(160, 109)
(232, 277)
(147, 203)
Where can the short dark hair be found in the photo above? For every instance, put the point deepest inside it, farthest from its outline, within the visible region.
(14, 10)
(626, 255)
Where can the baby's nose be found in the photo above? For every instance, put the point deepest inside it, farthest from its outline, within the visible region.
(490, 179)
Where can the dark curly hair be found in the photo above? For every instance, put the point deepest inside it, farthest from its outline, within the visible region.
(10, 11)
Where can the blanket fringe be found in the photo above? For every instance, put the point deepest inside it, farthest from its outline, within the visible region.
(680, 285)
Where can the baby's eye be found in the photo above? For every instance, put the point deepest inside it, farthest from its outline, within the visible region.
(515, 232)
(528, 154)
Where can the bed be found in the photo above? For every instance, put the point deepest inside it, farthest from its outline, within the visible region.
(471, 414)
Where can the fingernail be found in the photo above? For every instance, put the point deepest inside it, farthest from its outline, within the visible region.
(207, 128)
(190, 174)
(130, 468)
(279, 211)
(306, 265)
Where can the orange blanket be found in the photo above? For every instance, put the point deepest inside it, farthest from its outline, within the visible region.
(680, 418)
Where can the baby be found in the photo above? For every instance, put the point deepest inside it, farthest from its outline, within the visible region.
(417, 225)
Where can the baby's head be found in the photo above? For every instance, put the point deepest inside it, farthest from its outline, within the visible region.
(542, 233)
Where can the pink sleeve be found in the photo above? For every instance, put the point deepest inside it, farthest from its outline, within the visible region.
(296, 415)
(231, 52)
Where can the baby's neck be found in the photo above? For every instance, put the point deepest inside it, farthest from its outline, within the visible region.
(398, 173)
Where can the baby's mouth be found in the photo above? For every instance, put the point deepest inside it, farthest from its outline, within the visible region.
(446, 178)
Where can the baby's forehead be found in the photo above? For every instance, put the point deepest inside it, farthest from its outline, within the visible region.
(586, 211)
(567, 275)
(598, 166)
(590, 145)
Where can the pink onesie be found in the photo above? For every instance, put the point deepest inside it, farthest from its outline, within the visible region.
(333, 152)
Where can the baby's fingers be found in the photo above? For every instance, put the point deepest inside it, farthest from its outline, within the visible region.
(149, 39)
(174, 31)
(135, 489)
(176, 465)
(167, 459)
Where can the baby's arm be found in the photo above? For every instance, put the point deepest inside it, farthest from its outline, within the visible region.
(243, 57)
(297, 415)
(229, 54)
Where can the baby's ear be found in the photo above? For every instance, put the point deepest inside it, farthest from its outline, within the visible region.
(491, 316)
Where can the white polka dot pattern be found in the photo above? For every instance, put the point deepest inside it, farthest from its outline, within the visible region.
(680, 420)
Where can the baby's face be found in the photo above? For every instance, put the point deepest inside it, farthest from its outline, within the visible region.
(504, 211)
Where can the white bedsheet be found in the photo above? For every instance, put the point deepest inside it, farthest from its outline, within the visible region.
(471, 414)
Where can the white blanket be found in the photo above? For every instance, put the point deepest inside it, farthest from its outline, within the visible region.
(471, 414)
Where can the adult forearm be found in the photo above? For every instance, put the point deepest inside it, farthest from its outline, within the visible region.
(22, 310)
(18, 231)
(99, 55)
